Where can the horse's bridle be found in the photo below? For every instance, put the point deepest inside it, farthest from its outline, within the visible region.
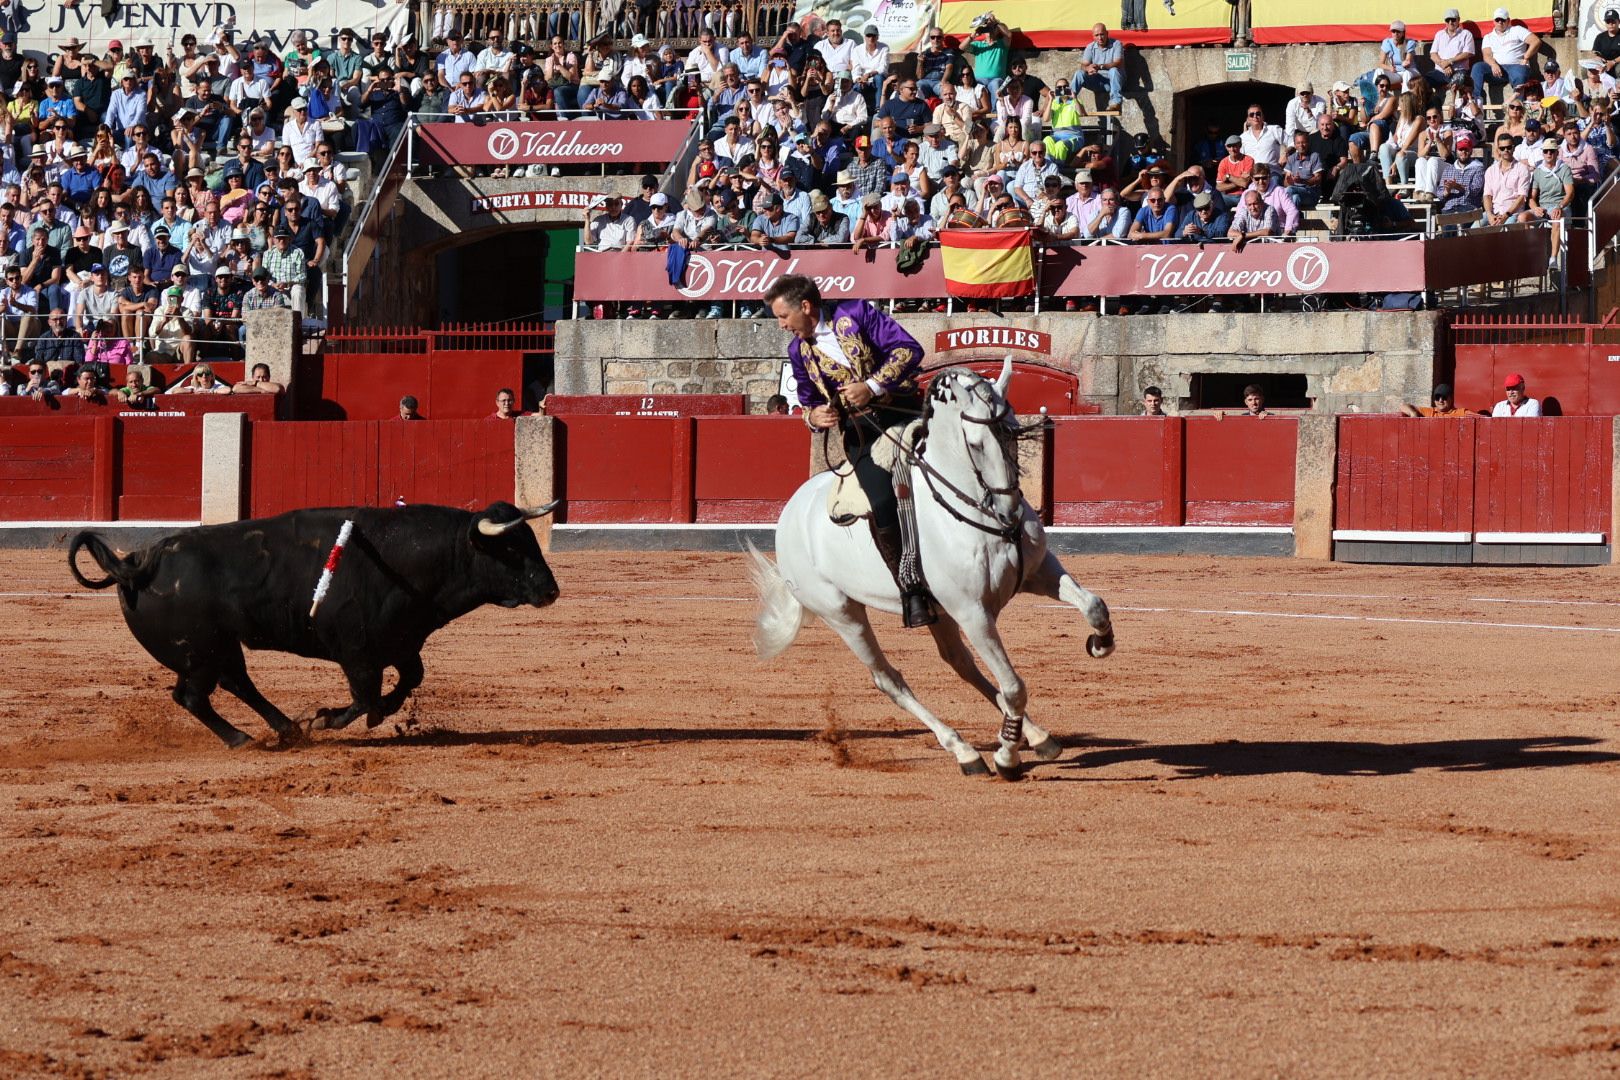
(1008, 526)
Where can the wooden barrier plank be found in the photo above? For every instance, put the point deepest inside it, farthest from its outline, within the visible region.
(462, 385)
(160, 468)
(617, 468)
(747, 467)
(1112, 470)
(1240, 471)
(48, 468)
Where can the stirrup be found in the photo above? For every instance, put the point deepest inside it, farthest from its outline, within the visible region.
(917, 609)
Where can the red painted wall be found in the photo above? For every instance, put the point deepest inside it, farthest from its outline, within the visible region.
(47, 469)
(1583, 379)
(1474, 475)
(748, 466)
(467, 463)
(1195, 470)
(160, 468)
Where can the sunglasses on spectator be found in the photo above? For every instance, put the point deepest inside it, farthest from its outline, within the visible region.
(1254, 114)
(36, 371)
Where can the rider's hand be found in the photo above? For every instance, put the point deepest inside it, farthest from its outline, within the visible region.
(823, 416)
(856, 395)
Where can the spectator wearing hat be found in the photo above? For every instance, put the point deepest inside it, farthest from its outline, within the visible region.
(79, 181)
(1515, 401)
(248, 91)
(943, 201)
(773, 226)
(653, 233)
(220, 306)
(1552, 187)
(1504, 54)
(172, 336)
(1462, 181)
(1206, 219)
(869, 172)
(1452, 53)
(826, 227)
(937, 151)
(97, 301)
(1441, 403)
(1397, 58)
(846, 198)
(1303, 109)
(695, 224)
(606, 100)
(300, 133)
(57, 105)
(261, 297)
(1236, 168)
(1606, 45)
(847, 107)
(162, 256)
(288, 267)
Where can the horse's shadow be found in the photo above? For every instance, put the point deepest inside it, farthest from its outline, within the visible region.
(1341, 758)
(607, 736)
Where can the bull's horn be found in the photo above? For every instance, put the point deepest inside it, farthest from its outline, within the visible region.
(489, 528)
(1005, 378)
(541, 511)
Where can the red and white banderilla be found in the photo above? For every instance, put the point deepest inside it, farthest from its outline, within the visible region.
(332, 561)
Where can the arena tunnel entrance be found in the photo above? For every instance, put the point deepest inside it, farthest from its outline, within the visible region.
(509, 275)
(1224, 105)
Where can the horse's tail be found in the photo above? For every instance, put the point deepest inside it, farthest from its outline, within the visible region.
(780, 614)
(121, 569)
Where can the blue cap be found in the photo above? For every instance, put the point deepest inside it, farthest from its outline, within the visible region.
(899, 178)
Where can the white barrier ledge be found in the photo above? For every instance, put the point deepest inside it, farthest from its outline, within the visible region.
(1391, 536)
(1538, 538)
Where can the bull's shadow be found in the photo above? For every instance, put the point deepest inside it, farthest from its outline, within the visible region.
(1341, 758)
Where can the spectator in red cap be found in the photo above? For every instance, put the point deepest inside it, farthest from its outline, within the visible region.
(1517, 403)
(1462, 181)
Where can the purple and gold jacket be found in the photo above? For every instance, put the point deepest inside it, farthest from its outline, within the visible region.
(879, 347)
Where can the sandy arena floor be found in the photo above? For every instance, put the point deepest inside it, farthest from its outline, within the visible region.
(1313, 820)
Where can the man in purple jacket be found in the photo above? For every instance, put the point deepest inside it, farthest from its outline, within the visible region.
(857, 371)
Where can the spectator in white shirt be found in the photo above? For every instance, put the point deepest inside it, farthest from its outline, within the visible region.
(1503, 53)
(835, 48)
(1516, 402)
(1262, 141)
(300, 133)
(1452, 53)
(496, 59)
(869, 65)
(613, 229)
(1302, 112)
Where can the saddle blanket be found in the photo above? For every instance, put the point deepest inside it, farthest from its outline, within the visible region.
(847, 503)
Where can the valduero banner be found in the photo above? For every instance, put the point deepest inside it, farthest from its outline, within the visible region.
(577, 142)
(47, 27)
(1066, 24)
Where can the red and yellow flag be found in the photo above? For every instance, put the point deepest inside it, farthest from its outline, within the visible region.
(987, 264)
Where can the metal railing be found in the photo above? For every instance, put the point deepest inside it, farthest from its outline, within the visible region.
(452, 337)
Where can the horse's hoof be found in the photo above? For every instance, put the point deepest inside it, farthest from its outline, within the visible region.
(976, 767)
(1100, 645)
(1050, 750)
(1011, 775)
(238, 739)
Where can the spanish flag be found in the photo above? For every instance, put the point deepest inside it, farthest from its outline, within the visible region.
(987, 264)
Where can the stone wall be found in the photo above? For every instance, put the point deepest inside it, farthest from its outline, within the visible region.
(1352, 361)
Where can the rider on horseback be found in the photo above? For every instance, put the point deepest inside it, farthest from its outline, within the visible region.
(857, 371)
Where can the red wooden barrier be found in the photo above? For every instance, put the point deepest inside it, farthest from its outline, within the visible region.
(625, 469)
(1116, 470)
(1240, 471)
(1583, 379)
(1473, 476)
(1543, 476)
(159, 468)
(748, 466)
(467, 463)
(48, 468)
(644, 404)
(1401, 474)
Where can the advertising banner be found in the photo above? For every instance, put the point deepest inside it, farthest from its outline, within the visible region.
(46, 26)
(1281, 22)
(1066, 24)
(1295, 269)
(564, 142)
(902, 24)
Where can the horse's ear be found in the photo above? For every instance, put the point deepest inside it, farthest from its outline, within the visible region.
(1004, 380)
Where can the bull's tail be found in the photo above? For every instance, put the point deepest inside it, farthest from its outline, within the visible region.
(780, 615)
(121, 569)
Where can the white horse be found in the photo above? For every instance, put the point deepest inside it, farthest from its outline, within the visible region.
(980, 544)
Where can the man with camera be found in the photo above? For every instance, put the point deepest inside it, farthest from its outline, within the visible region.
(990, 48)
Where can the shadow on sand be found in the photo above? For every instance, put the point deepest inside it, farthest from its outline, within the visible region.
(1333, 758)
(595, 736)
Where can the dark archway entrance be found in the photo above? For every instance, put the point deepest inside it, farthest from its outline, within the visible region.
(509, 275)
(1225, 105)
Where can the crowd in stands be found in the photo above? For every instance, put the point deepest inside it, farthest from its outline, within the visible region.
(828, 141)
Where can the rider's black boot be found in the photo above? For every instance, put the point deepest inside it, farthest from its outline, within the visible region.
(916, 606)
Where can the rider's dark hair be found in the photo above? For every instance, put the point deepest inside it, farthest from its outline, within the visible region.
(795, 289)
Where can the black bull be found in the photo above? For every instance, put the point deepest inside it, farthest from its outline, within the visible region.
(195, 598)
